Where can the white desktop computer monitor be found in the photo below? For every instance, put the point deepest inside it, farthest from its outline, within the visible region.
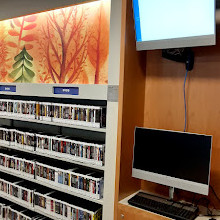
(176, 159)
(166, 24)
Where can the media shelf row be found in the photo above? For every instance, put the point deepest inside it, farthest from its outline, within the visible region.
(10, 210)
(93, 166)
(59, 124)
(47, 202)
(97, 201)
(62, 176)
(59, 147)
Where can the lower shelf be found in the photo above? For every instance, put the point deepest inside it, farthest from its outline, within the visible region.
(30, 208)
(98, 201)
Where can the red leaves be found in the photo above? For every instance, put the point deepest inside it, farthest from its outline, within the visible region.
(17, 22)
(28, 46)
(31, 18)
(29, 37)
(12, 44)
(30, 26)
(19, 28)
(13, 33)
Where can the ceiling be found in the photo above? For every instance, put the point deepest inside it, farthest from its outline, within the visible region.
(16, 8)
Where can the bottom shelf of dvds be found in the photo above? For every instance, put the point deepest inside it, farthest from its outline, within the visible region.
(9, 210)
(43, 200)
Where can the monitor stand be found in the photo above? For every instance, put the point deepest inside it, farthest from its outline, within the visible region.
(171, 193)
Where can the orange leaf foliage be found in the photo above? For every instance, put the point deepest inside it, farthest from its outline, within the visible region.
(12, 44)
(29, 37)
(31, 18)
(13, 33)
(27, 47)
(17, 22)
(98, 46)
(30, 26)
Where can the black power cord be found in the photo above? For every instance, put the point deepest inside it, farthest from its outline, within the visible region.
(209, 211)
(214, 193)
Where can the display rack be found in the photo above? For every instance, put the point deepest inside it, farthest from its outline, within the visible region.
(109, 93)
(94, 93)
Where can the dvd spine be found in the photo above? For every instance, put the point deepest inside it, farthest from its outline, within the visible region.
(90, 116)
(51, 145)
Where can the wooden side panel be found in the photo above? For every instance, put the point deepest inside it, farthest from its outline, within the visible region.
(132, 112)
(164, 103)
(126, 212)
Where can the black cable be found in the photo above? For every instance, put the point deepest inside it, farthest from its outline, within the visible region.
(209, 211)
(214, 193)
(194, 198)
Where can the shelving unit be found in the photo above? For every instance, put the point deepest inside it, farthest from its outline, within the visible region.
(109, 93)
(37, 93)
(93, 91)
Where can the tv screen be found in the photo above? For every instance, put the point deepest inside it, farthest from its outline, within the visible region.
(176, 159)
(163, 24)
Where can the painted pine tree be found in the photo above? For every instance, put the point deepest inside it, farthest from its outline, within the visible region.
(22, 72)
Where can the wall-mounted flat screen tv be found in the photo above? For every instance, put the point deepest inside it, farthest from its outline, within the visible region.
(162, 24)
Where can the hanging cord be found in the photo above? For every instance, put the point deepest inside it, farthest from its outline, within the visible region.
(185, 107)
(215, 193)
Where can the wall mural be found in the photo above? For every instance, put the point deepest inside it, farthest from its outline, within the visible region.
(68, 45)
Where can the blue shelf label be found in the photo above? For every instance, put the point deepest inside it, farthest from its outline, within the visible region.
(7, 88)
(66, 90)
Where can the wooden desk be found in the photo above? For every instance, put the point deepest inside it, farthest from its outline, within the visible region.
(128, 212)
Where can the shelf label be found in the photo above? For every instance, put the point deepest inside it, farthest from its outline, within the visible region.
(4, 88)
(66, 90)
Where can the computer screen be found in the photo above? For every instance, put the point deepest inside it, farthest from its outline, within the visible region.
(176, 159)
(163, 24)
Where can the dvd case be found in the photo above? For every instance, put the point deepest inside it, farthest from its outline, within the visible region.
(45, 111)
(83, 115)
(45, 201)
(23, 167)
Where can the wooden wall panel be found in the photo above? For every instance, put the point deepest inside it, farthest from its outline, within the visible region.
(131, 113)
(164, 105)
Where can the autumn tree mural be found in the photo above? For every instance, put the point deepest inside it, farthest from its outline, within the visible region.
(68, 45)
(22, 43)
(18, 28)
(64, 44)
(3, 54)
(22, 71)
(98, 41)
